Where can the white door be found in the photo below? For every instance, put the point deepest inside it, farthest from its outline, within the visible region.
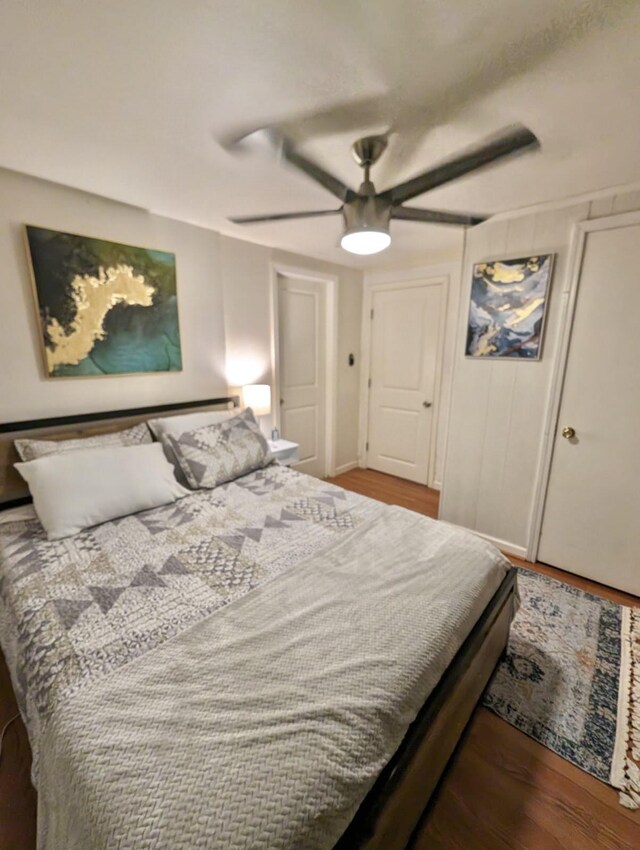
(405, 330)
(302, 316)
(591, 523)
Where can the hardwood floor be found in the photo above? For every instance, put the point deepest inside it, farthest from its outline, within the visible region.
(392, 490)
(502, 790)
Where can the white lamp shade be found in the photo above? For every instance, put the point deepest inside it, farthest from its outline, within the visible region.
(258, 398)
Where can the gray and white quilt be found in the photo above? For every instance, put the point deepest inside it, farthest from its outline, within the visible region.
(233, 670)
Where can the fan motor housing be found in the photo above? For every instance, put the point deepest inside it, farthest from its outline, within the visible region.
(366, 212)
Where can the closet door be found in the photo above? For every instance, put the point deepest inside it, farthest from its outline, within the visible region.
(591, 523)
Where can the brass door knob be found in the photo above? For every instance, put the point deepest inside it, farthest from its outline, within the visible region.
(568, 432)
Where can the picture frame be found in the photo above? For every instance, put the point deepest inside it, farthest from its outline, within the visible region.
(104, 308)
(507, 308)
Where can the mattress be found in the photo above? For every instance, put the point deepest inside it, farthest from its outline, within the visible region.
(233, 670)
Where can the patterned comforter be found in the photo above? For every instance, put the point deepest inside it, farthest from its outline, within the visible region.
(233, 670)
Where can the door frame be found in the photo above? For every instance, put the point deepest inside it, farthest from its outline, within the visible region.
(330, 283)
(400, 280)
(567, 315)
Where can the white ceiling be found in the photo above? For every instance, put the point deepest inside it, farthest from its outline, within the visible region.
(136, 99)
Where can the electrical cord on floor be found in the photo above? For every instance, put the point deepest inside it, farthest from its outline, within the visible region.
(4, 729)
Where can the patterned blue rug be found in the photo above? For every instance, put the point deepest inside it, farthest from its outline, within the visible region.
(571, 679)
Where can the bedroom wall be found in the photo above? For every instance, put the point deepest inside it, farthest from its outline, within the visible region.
(24, 391)
(223, 301)
(498, 407)
(246, 270)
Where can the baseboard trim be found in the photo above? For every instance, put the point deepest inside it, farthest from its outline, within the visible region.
(503, 545)
(346, 467)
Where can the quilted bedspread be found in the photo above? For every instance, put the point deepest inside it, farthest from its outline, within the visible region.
(233, 670)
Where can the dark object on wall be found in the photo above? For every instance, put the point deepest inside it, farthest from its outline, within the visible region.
(352, 360)
(508, 307)
(104, 308)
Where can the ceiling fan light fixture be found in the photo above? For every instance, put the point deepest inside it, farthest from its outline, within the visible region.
(366, 222)
(365, 240)
(367, 213)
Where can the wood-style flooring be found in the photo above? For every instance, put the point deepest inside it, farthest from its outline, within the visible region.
(502, 790)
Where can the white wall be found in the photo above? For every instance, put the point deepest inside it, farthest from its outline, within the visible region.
(223, 301)
(25, 392)
(247, 315)
(498, 407)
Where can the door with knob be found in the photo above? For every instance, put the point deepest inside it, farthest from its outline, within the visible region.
(591, 515)
(302, 350)
(404, 363)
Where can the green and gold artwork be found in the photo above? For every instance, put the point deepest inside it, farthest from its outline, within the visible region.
(104, 308)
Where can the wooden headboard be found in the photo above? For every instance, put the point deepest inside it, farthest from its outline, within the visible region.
(14, 491)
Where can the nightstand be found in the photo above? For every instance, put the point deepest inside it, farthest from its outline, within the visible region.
(285, 451)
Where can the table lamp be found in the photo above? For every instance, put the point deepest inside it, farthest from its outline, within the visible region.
(258, 398)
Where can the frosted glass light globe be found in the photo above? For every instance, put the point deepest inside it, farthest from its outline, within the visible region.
(366, 241)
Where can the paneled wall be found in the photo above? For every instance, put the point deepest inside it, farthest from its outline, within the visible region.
(498, 407)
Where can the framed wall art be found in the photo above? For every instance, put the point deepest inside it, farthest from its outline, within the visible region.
(105, 308)
(508, 306)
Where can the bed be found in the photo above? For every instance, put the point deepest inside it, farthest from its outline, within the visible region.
(274, 663)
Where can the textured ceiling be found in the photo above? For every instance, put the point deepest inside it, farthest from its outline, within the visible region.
(137, 101)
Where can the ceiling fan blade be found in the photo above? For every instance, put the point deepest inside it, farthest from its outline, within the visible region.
(311, 169)
(259, 219)
(508, 143)
(435, 216)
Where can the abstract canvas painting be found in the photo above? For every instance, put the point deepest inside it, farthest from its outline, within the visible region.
(104, 308)
(507, 310)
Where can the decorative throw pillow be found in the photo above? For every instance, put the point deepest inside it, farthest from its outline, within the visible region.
(176, 425)
(33, 449)
(218, 453)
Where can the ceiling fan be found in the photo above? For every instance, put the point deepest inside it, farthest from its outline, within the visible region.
(367, 213)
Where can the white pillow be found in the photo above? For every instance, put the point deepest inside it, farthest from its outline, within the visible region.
(76, 490)
(174, 426)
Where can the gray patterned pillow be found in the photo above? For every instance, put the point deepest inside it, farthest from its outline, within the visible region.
(33, 449)
(221, 452)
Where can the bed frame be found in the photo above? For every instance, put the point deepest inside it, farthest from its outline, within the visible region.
(14, 491)
(392, 811)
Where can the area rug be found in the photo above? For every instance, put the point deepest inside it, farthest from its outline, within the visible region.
(571, 680)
